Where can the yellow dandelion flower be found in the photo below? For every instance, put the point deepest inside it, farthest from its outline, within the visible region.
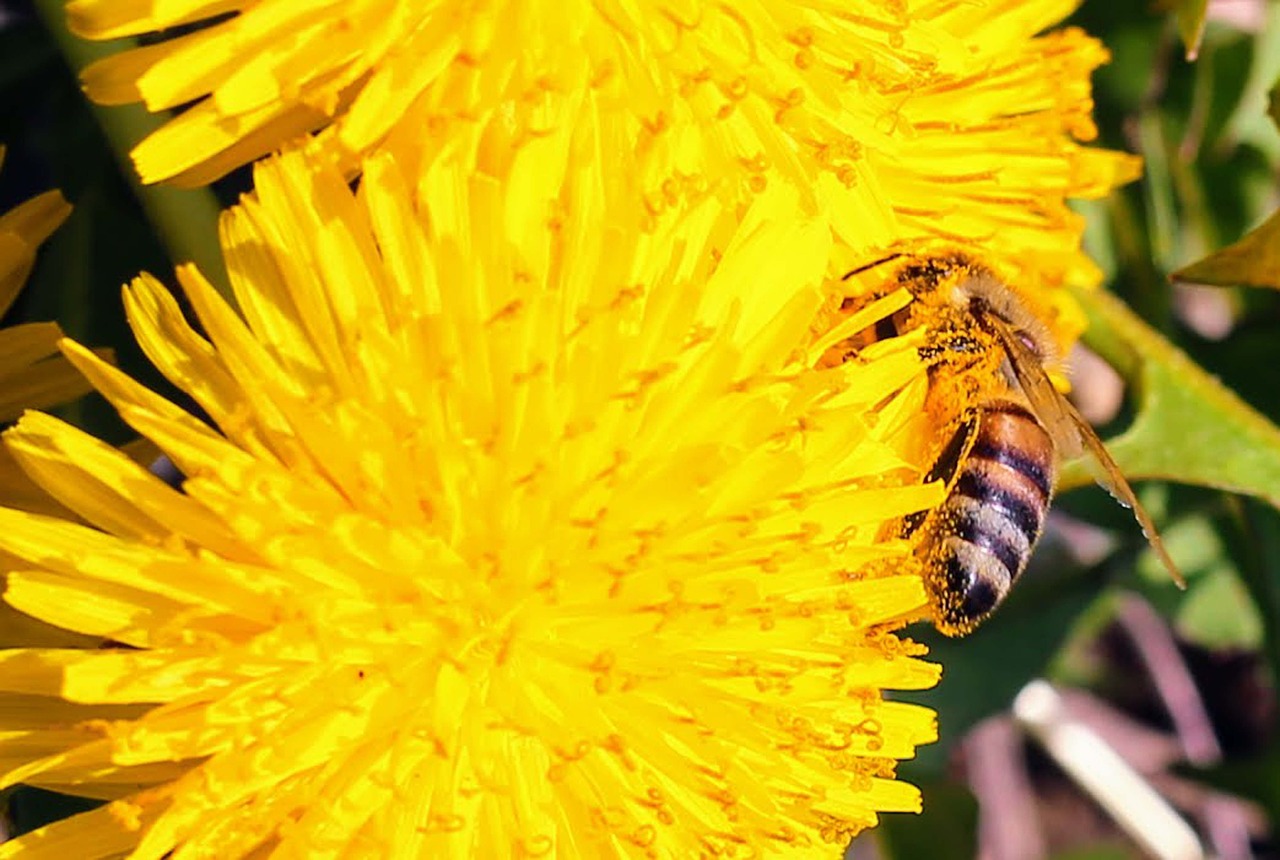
(903, 120)
(513, 536)
(32, 374)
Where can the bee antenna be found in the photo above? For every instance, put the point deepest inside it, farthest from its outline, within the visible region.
(879, 262)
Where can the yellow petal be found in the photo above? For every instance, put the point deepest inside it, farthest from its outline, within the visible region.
(520, 529)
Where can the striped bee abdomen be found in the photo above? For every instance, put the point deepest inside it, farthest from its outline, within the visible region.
(989, 523)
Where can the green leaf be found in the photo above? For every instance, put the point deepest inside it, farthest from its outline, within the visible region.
(1217, 613)
(1254, 261)
(184, 220)
(1190, 15)
(1273, 104)
(1189, 427)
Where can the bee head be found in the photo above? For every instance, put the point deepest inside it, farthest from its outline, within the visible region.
(953, 277)
(982, 294)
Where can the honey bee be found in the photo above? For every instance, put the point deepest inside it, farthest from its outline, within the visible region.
(1000, 463)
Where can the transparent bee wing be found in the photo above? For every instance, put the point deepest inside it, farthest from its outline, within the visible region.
(1053, 410)
(1074, 435)
(1107, 473)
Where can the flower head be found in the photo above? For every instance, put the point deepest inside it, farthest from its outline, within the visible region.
(516, 533)
(899, 120)
(33, 375)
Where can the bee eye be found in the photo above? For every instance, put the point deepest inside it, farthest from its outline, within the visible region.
(1030, 343)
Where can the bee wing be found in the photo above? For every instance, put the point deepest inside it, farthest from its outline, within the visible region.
(1074, 435)
(1053, 410)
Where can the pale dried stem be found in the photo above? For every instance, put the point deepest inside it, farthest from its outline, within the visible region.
(1224, 819)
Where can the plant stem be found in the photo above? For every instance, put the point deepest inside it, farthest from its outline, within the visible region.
(185, 220)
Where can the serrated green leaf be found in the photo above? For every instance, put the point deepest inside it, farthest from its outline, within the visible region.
(1190, 428)
(1254, 261)
(1190, 15)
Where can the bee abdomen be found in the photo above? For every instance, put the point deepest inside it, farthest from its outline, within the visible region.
(992, 516)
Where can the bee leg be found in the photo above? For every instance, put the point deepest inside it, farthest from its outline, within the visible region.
(946, 465)
(952, 342)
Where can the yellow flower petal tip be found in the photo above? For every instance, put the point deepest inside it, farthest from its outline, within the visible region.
(32, 374)
(510, 535)
(961, 121)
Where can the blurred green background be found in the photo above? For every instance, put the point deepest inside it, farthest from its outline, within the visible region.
(1096, 615)
(1181, 683)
